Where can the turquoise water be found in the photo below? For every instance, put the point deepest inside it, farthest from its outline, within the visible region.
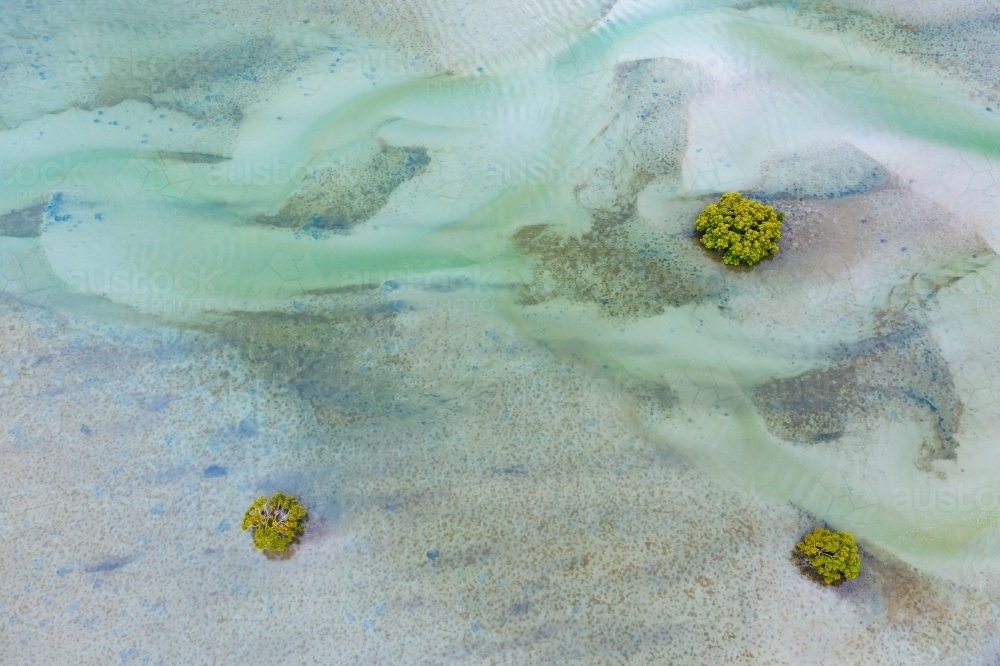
(429, 266)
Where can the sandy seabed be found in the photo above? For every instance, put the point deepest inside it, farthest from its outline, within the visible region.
(429, 267)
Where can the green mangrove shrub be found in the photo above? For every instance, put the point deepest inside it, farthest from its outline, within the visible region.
(744, 230)
(274, 523)
(833, 555)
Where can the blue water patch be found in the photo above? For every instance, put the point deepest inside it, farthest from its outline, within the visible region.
(158, 403)
(519, 608)
(213, 471)
(172, 474)
(109, 564)
(246, 428)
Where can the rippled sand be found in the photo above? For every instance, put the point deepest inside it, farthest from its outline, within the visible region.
(429, 267)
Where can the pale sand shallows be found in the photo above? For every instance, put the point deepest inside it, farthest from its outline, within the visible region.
(429, 266)
(497, 507)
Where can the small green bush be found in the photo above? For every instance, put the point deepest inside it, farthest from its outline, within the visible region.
(834, 555)
(274, 523)
(744, 230)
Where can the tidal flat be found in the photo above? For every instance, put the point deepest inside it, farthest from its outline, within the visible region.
(430, 267)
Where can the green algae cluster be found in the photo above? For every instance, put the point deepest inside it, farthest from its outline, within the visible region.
(625, 278)
(900, 370)
(339, 198)
(744, 230)
(833, 555)
(274, 523)
(23, 223)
